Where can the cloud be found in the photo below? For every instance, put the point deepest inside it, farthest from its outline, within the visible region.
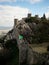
(7, 0)
(34, 1)
(47, 11)
(30, 1)
(8, 13)
(47, 14)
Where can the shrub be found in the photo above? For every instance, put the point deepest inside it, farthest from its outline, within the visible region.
(10, 56)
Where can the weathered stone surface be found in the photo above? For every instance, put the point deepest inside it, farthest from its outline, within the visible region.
(25, 52)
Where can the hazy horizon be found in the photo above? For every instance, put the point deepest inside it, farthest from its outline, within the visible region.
(5, 28)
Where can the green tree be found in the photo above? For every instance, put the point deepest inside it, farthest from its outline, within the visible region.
(11, 56)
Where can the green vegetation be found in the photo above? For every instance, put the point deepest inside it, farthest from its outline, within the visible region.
(40, 29)
(10, 53)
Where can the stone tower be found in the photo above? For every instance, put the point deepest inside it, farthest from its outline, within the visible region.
(15, 22)
(29, 15)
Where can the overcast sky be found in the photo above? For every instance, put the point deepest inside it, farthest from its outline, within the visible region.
(10, 9)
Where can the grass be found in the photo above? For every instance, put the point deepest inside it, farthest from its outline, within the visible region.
(40, 48)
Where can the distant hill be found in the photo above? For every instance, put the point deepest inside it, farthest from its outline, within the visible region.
(5, 28)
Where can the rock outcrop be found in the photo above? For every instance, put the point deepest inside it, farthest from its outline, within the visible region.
(26, 54)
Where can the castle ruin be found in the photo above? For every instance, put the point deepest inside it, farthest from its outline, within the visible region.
(26, 54)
